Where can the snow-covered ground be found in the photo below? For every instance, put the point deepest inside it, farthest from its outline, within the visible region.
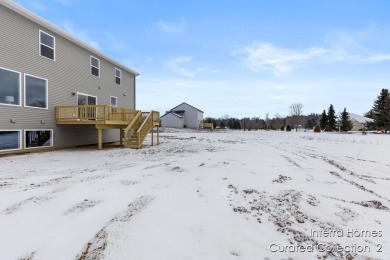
(202, 195)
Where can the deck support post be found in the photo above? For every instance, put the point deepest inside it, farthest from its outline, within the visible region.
(158, 130)
(100, 139)
(152, 135)
(121, 136)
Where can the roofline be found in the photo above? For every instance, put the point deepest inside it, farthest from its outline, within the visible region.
(187, 105)
(179, 116)
(42, 22)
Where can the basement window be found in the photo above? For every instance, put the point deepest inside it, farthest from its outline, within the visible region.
(38, 138)
(95, 66)
(10, 140)
(46, 45)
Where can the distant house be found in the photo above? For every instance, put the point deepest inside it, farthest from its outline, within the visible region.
(359, 121)
(182, 116)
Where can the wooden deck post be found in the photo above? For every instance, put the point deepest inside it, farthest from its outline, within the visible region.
(121, 136)
(158, 140)
(152, 136)
(100, 138)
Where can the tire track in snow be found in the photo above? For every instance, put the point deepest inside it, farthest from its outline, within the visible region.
(96, 247)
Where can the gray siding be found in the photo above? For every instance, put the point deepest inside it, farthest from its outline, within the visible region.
(70, 72)
(192, 116)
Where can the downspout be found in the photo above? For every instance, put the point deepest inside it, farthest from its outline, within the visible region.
(134, 92)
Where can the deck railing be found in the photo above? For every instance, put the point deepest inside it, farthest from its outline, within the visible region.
(94, 113)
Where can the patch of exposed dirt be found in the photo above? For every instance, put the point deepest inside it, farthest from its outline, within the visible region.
(284, 210)
(82, 206)
(282, 179)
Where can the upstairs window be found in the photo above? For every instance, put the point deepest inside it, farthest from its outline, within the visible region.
(9, 87)
(118, 76)
(95, 66)
(46, 45)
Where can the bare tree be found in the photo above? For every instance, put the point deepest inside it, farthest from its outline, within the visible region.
(296, 111)
(267, 120)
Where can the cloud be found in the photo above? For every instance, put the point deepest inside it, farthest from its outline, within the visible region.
(171, 27)
(83, 35)
(115, 43)
(176, 65)
(268, 57)
(185, 66)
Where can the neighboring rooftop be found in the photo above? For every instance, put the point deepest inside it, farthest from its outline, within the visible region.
(359, 118)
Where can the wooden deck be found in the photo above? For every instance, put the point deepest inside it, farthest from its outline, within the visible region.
(134, 125)
(94, 115)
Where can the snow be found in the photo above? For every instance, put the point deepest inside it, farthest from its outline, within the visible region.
(360, 119)
(200, 195)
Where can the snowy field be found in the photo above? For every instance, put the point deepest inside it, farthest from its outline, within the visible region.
(202, 195)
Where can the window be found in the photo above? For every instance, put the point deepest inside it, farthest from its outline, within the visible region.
(118, 76)
(113, 101)
(38, 138)
(85, 99)
(46, 45)
(35, 93)
(9, 87)
(10, 140)
(95, 66)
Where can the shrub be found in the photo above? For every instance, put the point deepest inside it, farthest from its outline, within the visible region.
(288, 128)
(317, 129)
(364, 131)
(282, 128)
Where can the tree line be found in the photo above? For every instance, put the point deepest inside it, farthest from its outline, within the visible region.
(327, 121)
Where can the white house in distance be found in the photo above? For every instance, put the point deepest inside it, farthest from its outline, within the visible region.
(182, 116)
(359, 121)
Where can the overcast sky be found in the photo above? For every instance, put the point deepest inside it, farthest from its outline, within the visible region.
(240, 58)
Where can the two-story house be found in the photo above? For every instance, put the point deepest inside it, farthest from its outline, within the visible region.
(43, 67)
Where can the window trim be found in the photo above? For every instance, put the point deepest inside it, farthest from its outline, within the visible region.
(20, 89)
(20, 139)
(116, 98)
(90, 61)
(88, 95)
(47, 91)
(38, 147)
(54, 44)
(120, 76)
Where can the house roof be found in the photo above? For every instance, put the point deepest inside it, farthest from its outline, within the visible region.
(187, 105)
(360, 119)
(179, 116)
(42, 22)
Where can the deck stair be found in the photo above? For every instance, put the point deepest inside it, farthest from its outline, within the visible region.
(137, 130)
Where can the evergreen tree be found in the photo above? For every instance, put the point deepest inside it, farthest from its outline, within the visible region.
(331, 116)
(317, 129)
(324, 121)
(288, 128)
(345, 122)
(381, 110)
